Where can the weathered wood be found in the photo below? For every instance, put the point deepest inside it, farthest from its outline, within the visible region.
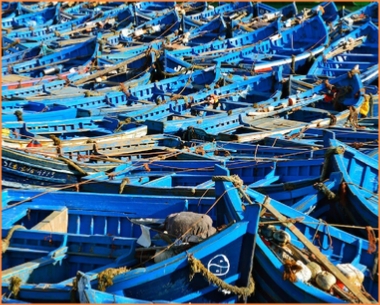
(318, 254)
(57, 221)
(14, 78)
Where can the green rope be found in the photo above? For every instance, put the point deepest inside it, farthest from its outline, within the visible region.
(14, 285)
(105, 278)
(18, 114)
(323, 188)
(196, 266)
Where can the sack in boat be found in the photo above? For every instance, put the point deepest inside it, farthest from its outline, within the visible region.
(189, 223)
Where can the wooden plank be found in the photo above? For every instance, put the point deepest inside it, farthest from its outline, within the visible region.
(318, 254)
(10, 78)
(57, 221)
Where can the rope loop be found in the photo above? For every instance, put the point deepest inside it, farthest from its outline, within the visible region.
(196, 266)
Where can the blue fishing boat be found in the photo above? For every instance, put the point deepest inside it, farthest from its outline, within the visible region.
(254, 151)
(258, 124)
(70, 132)
(156, 28)
(231, 95)
(327, 243)
(360, 187)
(186, 178)
(313, 137)
(33, 19)
(236, 249)
(30, 53)
(362, 15)
(37, 112)
(354, 53)
(153, 9)
(55, 166)
(289, 49)
(68, 58)
(235, 42)
(150, 94)
(242, 9)
(11, 46)
(45, 33)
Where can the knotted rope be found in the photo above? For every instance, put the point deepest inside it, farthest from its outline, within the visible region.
(328, 154)
(18, 114)
(235, 179)
(371, 240)
(73, 165)
(196, 266)
(6, 240)
(123, 183)
(323, 188)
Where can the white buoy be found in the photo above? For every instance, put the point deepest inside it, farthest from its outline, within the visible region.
(325, 280)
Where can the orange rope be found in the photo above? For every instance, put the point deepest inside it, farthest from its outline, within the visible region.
(371, 240)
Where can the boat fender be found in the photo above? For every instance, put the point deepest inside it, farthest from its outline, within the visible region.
(155, 29)
(281, 237)
(34, 143)
(304, 275)
(52, 70)
(349, 21)
(5, 132)
(138, 32)
(352, 273)
(268, 231)
(325, 280)
(291, 101)
(315, 269)
(364, 109)
(269, 16)
(288, 23)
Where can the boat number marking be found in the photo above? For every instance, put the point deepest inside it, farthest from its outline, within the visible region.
(219, 265)
(27, 169)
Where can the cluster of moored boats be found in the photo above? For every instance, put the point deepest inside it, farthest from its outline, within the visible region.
(183, 152)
